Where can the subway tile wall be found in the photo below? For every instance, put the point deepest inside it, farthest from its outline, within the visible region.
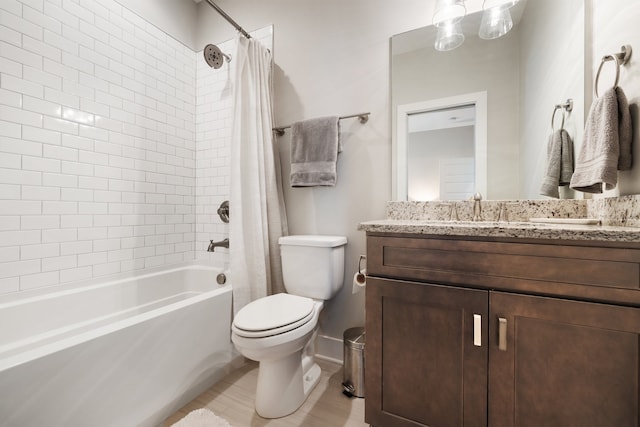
(98, 144)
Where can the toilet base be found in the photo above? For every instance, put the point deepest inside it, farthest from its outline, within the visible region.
(283, 386)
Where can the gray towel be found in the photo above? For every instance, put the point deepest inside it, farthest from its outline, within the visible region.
(559, 163)
(315, 145)
(606, 147)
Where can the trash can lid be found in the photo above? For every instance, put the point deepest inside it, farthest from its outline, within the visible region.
(355, 337)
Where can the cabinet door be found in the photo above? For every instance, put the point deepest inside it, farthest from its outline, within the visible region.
(423, 367)
(562, 363)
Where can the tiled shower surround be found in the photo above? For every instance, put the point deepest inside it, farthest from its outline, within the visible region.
(109, 159)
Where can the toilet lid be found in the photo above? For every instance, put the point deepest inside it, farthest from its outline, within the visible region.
(274, 312)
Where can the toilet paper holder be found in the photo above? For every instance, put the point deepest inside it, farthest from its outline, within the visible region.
(361, 275)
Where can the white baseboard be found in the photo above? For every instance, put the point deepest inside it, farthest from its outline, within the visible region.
(329, 348)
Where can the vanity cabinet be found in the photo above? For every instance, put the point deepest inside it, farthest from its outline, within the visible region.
(499, 332)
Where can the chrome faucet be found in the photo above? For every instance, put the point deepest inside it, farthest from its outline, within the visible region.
(221, 244)
(477, 207)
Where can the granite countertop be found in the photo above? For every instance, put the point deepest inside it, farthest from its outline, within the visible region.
(516, 229)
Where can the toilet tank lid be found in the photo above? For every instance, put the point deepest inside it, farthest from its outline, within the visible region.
(313, 240)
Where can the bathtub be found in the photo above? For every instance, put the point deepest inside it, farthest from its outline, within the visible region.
(125, 352)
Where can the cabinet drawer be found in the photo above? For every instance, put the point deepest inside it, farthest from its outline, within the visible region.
(488, 263)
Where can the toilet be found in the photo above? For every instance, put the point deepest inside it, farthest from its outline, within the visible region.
(279, 330)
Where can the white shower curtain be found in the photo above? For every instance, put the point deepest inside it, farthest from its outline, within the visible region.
(257, 214)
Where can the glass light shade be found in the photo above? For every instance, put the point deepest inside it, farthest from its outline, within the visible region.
(490, 4)
(448, 11)
(449, 37)
(495, 23)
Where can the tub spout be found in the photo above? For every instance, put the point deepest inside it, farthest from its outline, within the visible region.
(221, 244)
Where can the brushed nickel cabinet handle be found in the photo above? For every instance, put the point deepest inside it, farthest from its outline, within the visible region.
(502, 333)
(477, 330)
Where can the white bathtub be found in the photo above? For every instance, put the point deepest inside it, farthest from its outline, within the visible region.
(126, 352)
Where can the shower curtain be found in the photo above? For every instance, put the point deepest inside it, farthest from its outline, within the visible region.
(258, 216)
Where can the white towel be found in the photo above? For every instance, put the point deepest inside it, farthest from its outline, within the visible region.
(559, 163)
(606, 147)
(315, 145)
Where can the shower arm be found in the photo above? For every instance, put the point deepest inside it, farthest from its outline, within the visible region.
(228, 18)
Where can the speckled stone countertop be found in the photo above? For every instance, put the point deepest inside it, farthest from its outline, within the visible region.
(620, 219)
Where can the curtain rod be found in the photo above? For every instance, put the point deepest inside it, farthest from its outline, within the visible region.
(362, 117)
(228, 18)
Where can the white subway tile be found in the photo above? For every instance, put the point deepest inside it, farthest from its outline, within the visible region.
(9, 191)
(61, 153)
(154, 261)
(74, 248)
(120, 185)
(133, 264)
(41, 48)
(75, 9)
(40, 193)
(11, 284)
(74, 274)
(20, 55)
(120, 255)
(40, 164)
(108, 148)
(94, 107)
(93, 158)
(19, 85)
(15, 238)
(62, 208)
(120, 232)
(106, 245)
(59, 263)
(144, 252)
(39, 222)
(38, 105)
(61, 97)
(35, 16)
(92, 258)
(132, 242)
(40, 135)
(74, 168)
(58, 69)
(10, 129)
(59, 235)
(77, 63)
(11, 253)
(93, 133)
(121, 162)
(21, 25)
(42, 77)
(95, 56)
(18, 268)
(14, 145)
(94, 32)
(39, 280)
(108, 172)
(93, 183)
(39, 251)
(78, 89)
(105, 269)
(107, 220)
(35, 4)
(60, 180)
(20, 116)
(12, 161)
(93, 208)
(76, 221)
(95, 82)
(12, 6)
(9, 223)
(77, 142)
(10, 36)
(120, 208)
(92, 233)
(60, 14)
(13, 176)
(76, 194)
(60, 125)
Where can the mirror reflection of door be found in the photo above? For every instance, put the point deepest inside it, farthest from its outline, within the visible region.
(441, 153)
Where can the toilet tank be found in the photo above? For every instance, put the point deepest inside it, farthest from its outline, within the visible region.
(313, 266)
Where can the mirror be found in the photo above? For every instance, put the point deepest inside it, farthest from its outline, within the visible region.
(524, 74)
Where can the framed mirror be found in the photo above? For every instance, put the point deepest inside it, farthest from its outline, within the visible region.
(524, 74)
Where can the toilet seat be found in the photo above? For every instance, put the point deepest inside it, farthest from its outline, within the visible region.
(273, 315)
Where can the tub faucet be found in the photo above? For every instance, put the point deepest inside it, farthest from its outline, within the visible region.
(221, 244)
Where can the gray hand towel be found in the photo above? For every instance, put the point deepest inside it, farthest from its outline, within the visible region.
(559, 163)
(606, 147)
(315, 145)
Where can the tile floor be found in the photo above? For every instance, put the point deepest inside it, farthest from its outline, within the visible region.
(232, 398)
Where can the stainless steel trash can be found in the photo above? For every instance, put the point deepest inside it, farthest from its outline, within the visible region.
(353, 356)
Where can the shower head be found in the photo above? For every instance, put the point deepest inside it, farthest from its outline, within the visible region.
(214, 56)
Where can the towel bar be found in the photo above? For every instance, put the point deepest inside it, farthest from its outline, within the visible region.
(362, 117)
(620, 58)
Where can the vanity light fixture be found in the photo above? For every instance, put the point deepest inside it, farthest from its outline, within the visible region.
(446, 17)
(496, 18)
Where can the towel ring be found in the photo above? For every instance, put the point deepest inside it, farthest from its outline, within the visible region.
(565, 107)
(620, 58)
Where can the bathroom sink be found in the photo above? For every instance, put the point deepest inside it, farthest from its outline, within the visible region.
(575, 221)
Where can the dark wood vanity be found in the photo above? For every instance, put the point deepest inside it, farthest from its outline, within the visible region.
(493, 331)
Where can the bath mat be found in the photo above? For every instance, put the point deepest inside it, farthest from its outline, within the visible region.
(201, 418)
